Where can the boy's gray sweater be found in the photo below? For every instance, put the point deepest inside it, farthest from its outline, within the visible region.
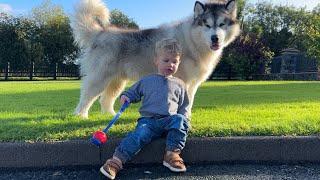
(161, 96)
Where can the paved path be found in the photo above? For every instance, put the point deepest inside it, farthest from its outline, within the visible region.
(222, 172)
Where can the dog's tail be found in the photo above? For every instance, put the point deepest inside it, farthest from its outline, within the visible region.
(91, 17)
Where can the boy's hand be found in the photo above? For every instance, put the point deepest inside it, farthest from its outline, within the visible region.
(123, 99)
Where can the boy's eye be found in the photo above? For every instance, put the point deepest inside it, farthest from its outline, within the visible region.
(166, 60)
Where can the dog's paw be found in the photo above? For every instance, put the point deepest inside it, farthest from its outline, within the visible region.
(111, 111)
(81, 115)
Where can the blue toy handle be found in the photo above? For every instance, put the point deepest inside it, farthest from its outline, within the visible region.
(124, 106)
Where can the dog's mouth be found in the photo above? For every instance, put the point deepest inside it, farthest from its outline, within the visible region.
(215, 46)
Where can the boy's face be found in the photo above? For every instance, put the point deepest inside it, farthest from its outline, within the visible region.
(167, 63)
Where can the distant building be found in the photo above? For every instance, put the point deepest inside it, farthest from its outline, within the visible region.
(295, 65)
(293, 61)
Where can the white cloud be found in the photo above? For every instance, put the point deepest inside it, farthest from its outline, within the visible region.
(6, 8)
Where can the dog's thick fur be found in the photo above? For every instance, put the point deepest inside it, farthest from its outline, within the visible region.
(111, 56)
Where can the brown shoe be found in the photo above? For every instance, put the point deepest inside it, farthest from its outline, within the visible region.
(111, 168)
(174, 162)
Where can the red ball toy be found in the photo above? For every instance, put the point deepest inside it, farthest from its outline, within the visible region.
(100, 136)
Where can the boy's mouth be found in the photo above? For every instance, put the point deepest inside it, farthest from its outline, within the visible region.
(169, 70)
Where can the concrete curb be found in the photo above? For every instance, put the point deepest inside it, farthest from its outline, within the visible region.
(267, 149)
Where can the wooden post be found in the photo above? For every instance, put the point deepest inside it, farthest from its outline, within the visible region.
(229, 72)
(7, 71)
(31, 70)
(55, 72)
(79, 74)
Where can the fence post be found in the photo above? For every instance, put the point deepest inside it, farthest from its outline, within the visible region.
(79, 74)
(229, 72)
(7, 71)
(55, 72)
(31, 70)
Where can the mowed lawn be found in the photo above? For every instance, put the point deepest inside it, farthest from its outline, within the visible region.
(42, 110)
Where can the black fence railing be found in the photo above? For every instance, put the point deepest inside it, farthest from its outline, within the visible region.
(303, 76)
(72, 71)
(54, 72)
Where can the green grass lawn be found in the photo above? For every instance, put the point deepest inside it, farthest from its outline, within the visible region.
(42, 110)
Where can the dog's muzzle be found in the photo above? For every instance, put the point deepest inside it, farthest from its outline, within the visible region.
(214, 42)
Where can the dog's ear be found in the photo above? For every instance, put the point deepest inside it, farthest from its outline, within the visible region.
(231, 7)
(199, 9)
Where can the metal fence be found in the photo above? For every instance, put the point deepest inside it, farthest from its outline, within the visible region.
(51, 72)
(72, 71)
(303, 76)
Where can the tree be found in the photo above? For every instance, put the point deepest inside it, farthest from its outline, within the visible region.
(271, 23)
(44, 37)
(284, 27)
(248, 55)
(54, 34)
(119, 19)
(241, 4)
(16, 41)
(307, 32)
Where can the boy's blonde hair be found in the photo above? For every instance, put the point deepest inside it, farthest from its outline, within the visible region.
(168, 45)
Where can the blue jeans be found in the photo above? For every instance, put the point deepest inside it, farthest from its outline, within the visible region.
(148, 129)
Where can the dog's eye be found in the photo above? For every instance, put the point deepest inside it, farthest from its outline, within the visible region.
(208, 26)
(222, 24)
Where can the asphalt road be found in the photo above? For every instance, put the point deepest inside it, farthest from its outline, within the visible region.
(213, 171)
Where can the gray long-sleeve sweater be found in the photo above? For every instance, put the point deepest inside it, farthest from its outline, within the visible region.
(160, 95)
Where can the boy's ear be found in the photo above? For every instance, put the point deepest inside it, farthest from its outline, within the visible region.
(155, 61)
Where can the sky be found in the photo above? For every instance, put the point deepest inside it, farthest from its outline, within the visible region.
(146, 13)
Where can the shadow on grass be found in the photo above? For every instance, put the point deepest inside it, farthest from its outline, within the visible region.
(55, 101)
(42, 128)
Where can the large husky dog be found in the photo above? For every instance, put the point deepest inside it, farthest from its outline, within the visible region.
(112, 56)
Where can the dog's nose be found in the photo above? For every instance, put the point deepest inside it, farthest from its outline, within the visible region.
(214, 38)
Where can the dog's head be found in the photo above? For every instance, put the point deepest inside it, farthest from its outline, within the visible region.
(215, 23)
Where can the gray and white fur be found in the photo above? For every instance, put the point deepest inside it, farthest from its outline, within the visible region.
(112, 56)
